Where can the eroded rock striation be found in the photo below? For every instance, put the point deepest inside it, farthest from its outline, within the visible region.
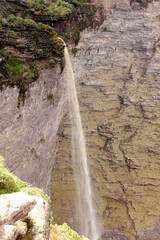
(28, 135)
(119, 101)
(31, 91)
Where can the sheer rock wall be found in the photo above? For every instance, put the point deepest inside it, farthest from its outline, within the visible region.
(120, 108)
(30, 58)
(28, 133)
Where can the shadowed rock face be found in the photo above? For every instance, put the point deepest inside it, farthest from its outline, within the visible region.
(119, 100)
(28, 133)
(114, 234)
(30, 111)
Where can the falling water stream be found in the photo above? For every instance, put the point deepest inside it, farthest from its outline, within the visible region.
(86, 212)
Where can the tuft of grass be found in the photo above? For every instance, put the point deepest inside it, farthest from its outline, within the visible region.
(60, 9)
(17, 72)
(50, 96)
(30, 222)
(75, 50)
(10, 183)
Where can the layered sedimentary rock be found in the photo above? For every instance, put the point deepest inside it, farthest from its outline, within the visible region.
(119, 102)
(28, 133)
(31, 91)
(117, 67)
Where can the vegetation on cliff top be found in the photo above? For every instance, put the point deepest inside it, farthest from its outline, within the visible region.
(67, 17)
(29, 32)
(23, 43)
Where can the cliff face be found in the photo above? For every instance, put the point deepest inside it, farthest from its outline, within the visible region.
(28, 133)
(119, 101)
(117, 70)
(31, 91)
(31, 83)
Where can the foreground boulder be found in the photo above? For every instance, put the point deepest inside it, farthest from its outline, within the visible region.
(17, 208)
(41, 215)
(8, 232)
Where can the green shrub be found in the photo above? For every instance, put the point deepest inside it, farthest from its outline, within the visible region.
(15, 66)
(59, 9)
(64, 232)
(40, 26)
(12, 18)
(50, 96)
(8, 181)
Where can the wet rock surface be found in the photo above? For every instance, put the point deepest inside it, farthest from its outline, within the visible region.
(119, 102)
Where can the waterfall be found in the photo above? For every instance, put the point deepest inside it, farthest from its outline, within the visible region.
(86, 212)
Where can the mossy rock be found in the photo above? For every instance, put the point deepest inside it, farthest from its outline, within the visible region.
(37, 36)
(17, 72)
(25, 35)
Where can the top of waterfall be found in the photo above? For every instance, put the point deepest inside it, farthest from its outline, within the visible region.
(62, 41)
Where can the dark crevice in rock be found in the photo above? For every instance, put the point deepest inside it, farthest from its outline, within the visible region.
(128, 161)
(128, 211)
(108, 144)
(104, 174)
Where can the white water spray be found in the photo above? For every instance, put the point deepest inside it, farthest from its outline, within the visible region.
(87, 216)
